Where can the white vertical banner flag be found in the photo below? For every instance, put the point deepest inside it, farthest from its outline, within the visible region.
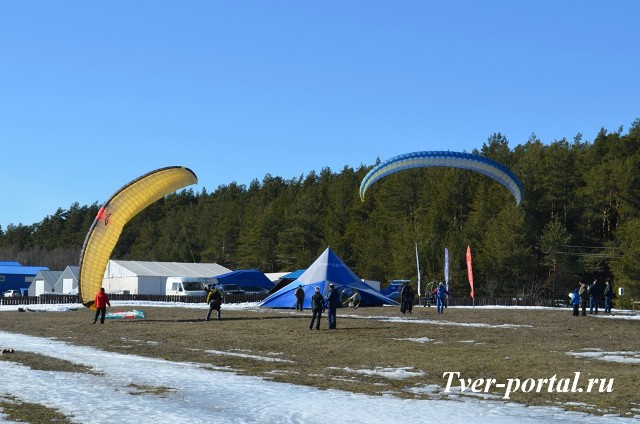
(418, 268)
(446, 267)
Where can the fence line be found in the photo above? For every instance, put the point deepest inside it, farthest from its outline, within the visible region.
(257, 297)
(506, 301)
(48, 299)
(497, 301)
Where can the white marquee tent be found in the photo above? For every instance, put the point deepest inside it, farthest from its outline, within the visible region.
(138, 277)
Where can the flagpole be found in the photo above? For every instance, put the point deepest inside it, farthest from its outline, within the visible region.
(446, 271)
(418, 268)
(470, 274)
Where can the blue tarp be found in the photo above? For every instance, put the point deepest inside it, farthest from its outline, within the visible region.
(245, 278)
(328, 268)
(286, 279)
(293, 275)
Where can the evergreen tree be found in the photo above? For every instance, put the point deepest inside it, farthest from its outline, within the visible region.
(580, 218)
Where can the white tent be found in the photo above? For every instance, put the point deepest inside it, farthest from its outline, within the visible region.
(138, 277)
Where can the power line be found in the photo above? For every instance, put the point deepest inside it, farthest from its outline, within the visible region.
(590, 247)
(591, 255)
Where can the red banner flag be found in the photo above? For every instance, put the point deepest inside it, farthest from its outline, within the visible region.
(469, 269)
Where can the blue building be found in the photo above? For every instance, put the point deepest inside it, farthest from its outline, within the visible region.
(14, 276)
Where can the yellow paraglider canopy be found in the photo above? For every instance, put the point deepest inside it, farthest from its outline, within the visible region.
(112, 217)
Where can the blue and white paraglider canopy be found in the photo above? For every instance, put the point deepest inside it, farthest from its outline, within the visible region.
(481, 164)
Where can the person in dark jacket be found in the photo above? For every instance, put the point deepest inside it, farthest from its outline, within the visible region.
(101, 301)
(584, 297)
(608, 296)
(440, 293)
(317, 308)
(406, 298)
(333, 301)
(575, 301)
(214, 299)
(299, 298)
(594, 296)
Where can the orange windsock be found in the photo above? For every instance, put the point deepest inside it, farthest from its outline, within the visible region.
(470, 269)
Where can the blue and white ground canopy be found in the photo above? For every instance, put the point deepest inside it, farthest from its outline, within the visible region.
(471, 162)
(327, 269)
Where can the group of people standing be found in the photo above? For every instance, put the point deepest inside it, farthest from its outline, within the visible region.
(101, 301)
(331, 302)
(590, 294)
(319, 304)
(406, 297)
(585, 294)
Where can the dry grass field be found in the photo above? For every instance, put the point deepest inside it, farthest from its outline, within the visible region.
(485, 343)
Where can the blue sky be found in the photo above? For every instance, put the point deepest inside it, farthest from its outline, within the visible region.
(95, 94)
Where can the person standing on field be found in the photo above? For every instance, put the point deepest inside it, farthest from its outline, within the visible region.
(333, 301)
(214, 299)
(608, 296)
(575, 301)
(594, 296)
(406, 298)
(101, 301)
(299, 298)
(440, 293)
(317, 308)
(584, 297)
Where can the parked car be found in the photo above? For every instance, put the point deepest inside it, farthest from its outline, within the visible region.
(12, 293)
(254, 289)
(225, 289)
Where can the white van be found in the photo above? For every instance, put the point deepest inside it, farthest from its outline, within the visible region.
(12, 293)
(187, 286)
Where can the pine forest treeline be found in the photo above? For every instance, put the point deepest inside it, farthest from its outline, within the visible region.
(580, 219)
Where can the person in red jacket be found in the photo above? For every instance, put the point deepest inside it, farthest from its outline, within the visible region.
(101, 302)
